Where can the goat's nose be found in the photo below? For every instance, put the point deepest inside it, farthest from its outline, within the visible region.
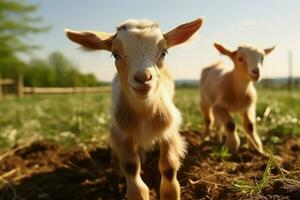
(255, 71)
(143, 77)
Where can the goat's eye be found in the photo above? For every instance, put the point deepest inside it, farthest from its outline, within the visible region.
(240, 59)
(163, 54)
(116, 55)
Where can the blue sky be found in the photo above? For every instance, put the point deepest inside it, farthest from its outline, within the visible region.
(232, 22)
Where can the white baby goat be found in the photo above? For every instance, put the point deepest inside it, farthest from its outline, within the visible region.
(142, 99)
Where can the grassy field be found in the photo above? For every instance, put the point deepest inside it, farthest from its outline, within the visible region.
(85, 118)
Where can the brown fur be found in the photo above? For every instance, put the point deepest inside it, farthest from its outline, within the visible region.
(226, 91)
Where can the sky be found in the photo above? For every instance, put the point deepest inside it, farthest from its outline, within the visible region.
(262, 23)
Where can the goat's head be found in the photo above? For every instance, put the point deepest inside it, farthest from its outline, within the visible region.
(139, 48)
(248, 59)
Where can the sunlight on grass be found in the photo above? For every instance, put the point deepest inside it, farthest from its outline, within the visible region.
(68, 119)
(86, 118)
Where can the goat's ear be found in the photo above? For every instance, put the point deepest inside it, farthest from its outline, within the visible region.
(269, 50)
(91, 40)
(182, 33)
(222, 49)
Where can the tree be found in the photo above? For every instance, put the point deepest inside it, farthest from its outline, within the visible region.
(16, 24)
(56, 71)
(67, 73)
(40, 74)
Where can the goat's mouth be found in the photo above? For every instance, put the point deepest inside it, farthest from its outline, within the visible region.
(142, 91)
(254, 77)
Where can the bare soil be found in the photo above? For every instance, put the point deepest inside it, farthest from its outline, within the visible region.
(44, 170)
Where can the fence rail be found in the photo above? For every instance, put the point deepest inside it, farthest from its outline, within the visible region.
(21, 89)
(65, 90)
(7, 81)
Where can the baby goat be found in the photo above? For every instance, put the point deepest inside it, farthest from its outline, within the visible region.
(224, 91)
(142, 99)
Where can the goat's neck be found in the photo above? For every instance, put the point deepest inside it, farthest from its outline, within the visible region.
(241, 80)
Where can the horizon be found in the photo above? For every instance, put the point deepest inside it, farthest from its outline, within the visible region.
(226, 23)
(259, 81)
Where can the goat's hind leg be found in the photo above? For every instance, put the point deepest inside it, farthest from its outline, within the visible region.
(116, 163)
(219, 131)
(130, 165)
(207, 117)
(209, 121)
(172, 150)
(232, 140)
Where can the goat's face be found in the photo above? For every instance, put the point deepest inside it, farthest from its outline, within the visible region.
(139, 48)
(250, 60)
(139, 53)
(247, 59)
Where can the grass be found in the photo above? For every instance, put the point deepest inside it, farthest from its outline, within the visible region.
(68, 119)
(250, 188)
(279, 112)
(220, 153)
(85, 118)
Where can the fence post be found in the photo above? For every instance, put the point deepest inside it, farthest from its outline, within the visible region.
(1, 92)
(290, 65)
(20, 86)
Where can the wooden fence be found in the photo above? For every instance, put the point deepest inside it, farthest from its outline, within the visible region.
(19, 85)
(65, 90)
(21, 89)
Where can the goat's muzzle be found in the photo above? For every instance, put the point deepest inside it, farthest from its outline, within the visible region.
(255, 75)
(142, 83)
(142, 89)
(142, 77)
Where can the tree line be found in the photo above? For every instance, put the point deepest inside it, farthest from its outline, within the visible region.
(18, 23)
(55, 71)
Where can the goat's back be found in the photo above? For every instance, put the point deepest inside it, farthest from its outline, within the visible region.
(211, 79)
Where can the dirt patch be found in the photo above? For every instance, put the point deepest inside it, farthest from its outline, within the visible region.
(44, 170)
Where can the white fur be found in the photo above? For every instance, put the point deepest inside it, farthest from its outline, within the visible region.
(143, 111)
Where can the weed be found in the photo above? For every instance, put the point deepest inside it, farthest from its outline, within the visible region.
(249, 188)
(220, 153)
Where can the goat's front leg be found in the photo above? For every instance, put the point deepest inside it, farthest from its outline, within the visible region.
(171, 151)
(131, 167)
(232, 139)
(249, 124)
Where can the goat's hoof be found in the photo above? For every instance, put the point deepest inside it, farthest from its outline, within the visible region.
(233, 143)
